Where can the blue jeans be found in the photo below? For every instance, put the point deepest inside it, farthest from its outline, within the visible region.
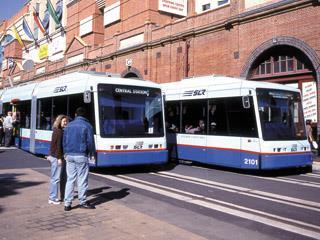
(77, 169)
(54, 178)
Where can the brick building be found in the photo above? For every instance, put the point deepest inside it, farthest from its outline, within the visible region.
(167, 40)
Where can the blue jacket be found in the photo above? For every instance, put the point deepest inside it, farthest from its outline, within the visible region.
(78, 138)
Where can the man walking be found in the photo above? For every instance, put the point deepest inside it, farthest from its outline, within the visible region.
(78, 146)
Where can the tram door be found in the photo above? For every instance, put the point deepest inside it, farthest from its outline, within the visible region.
(33, 123)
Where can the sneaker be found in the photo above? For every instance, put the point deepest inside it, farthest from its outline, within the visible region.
(86, 206)
(67, 208)
(54, 202)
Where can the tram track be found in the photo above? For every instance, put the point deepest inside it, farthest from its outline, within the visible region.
(287, 224)
(305, 183)
(296, 202)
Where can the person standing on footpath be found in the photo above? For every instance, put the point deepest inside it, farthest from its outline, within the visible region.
(1, 130)
(8, 129)
(57, 162)
(78, 145)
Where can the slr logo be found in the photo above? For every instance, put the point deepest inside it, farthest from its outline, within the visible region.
(197, 92)
(60, 89)
(138, 145)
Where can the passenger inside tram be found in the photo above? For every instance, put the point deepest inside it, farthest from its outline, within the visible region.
(200, 129)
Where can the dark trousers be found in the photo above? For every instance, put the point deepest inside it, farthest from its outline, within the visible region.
(63, 180)
(8, 133)
(1, 136)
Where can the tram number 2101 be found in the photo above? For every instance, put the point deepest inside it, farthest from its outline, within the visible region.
(251, 161)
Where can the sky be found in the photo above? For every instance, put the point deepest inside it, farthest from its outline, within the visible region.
(8, 8)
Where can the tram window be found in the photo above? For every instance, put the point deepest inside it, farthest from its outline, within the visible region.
(44, 114)
(217, 117)
(75, 101)
(130, 111)
(6, 107)
(23, 110)
(194, 117)
(59, 106)
(173, 116)
(241, 121)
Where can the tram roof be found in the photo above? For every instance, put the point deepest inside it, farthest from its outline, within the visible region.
(222, 82)
(71, 83)
(21, 92)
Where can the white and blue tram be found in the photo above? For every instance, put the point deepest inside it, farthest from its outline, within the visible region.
(236, 123)
(127, 115)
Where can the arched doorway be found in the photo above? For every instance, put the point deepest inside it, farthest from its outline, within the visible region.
(289, 61)
(131, 75)
(131, 72)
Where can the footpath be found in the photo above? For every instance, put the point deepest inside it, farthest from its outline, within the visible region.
(26, 214)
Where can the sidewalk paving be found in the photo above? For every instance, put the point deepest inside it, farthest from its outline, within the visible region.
(26, 214)
(316, 163)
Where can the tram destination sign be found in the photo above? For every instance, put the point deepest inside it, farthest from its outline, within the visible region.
(132, 91)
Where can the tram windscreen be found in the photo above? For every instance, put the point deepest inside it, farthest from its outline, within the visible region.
(281, 115)
(130, 111)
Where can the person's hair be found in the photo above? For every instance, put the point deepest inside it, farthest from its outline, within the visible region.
(308, 121)
(57, 122)
(81, 112)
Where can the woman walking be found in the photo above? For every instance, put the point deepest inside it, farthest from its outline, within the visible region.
(57, 162)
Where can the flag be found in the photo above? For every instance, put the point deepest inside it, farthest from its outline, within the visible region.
(17, 35)
(38, 22)
(53, 12)
(26, 29)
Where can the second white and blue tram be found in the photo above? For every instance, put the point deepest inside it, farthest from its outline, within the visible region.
(127, 115)
(236, 123)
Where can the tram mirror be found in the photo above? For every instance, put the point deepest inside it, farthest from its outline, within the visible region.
(246, 102)
(87, 97)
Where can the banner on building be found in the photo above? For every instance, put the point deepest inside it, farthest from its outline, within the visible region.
(177, 7)
(43, 51)
(309, 100)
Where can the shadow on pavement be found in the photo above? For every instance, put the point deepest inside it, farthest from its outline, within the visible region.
(9, 184)
(100, 197)
(134, 169)
(103, 197)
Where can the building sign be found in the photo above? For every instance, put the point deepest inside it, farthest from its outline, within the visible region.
(177, 7)
(309, 100)
(43, 51)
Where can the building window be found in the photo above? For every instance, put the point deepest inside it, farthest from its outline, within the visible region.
(280, 64)
(206, 7)
(222, 2)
